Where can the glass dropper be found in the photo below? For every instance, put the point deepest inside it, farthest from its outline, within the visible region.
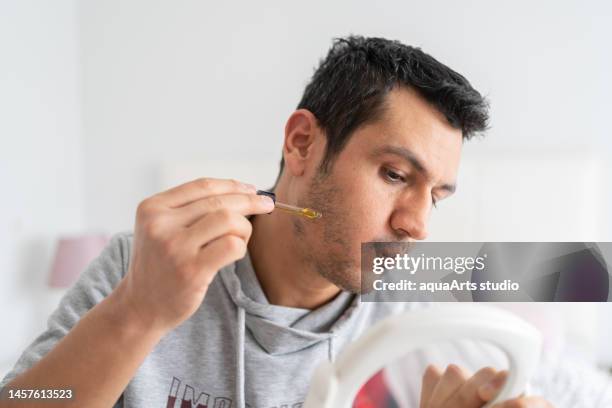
(303, 211)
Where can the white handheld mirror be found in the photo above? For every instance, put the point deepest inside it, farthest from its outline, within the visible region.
(335, 385)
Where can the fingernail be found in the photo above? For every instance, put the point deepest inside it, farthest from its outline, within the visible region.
(267, 201)
(491, 388)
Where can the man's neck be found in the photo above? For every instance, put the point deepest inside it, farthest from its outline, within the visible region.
(285, 277)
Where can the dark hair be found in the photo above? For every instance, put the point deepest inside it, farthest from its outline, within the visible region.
(348, 89)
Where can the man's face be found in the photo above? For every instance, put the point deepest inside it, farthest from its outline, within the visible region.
(381, 186)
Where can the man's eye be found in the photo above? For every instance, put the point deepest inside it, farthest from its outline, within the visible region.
(392, 176)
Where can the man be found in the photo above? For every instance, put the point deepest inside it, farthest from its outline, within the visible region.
(216, 300)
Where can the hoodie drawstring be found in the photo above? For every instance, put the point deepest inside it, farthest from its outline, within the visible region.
(240, 403)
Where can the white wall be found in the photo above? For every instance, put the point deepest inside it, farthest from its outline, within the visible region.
(200, 80)
(40, 158)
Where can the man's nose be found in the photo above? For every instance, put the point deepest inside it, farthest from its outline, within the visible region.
(410, 217)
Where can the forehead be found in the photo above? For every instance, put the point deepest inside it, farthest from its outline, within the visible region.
(408, 121)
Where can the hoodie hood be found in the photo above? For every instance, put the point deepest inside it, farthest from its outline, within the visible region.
(282, 330)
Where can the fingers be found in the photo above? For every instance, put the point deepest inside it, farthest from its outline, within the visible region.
(217, 254)
(454, 389)
(245, 204)
(489, 390)
(213, 226)
(430, 378)
(467, 396)
(525, 402)
(201, 188)
(182, 238)
(452, 379)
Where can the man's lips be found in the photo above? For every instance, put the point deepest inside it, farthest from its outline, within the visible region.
(390, 249)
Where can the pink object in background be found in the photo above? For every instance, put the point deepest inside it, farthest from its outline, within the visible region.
(72, 256)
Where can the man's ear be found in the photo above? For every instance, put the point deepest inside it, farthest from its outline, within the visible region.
(302, 131)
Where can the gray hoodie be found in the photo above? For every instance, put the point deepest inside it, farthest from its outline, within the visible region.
(237, 350)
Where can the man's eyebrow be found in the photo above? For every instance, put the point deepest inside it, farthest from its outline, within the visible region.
(411, 158)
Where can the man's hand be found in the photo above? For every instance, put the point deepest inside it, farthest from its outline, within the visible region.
(456, 389)
(182, 237)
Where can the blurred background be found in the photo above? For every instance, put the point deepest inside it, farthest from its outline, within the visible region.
(104, 103)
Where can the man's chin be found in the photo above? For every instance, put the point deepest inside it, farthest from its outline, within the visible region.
(345, 278)
(360, 285)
